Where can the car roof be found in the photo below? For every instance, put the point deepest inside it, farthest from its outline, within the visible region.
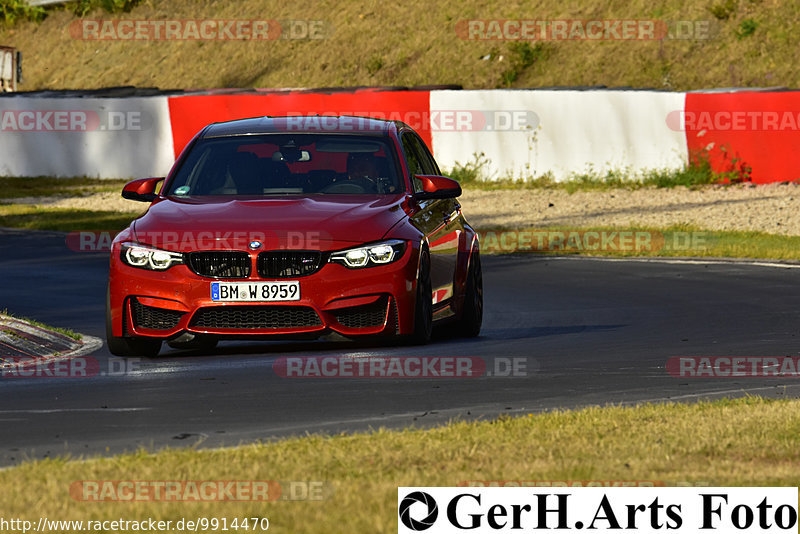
(337, 124)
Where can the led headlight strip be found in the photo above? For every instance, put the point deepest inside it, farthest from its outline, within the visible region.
(370, 255)
(153, 259)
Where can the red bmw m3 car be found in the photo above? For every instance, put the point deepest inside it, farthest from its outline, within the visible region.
(297, 227)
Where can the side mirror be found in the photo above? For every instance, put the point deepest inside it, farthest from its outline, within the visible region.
(143, 190)
(437, 187)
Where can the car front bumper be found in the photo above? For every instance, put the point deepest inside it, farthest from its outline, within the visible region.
(352, 302)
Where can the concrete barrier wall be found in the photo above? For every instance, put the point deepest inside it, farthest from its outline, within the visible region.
(96, 137)
(520, 132)
(563, 132)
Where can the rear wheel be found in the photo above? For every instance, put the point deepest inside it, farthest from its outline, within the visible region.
(469, 325)
(423, 309)
(128, 347)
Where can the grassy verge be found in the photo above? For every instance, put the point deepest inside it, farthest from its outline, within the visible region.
(43, 186)
(748, 441)
(747, 43)
(473, 175)
(594, 182)
(641, 241)
(66, 331)
(31, 217)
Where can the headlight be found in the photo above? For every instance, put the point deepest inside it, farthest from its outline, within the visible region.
(370, 255)
(153, 259)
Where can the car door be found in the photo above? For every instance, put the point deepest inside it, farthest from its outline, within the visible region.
(438, 219)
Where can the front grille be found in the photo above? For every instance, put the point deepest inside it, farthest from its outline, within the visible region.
(288, 263)
(252, 317)
(154, 318)
(220, 263)
(366, 316)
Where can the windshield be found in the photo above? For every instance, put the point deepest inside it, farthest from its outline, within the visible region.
(285, 164)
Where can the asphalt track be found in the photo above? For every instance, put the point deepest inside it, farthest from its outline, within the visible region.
(590, 331)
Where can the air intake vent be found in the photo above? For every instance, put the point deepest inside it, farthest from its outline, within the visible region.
(366, 316)
(154, 318)
(255, 317)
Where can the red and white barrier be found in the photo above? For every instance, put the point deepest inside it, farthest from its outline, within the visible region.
(189, 114)
(520, 132)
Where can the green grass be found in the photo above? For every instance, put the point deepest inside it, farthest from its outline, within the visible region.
(750, 43)
(743, 442)
(11, 333)
(32, 217)
(675, 241)
(65, 331)
(473, 175)
(12, 187)
(14, 11)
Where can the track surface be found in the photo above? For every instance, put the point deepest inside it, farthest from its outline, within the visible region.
(592, 332)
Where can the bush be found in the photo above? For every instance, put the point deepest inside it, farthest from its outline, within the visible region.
(723, 10)
(470, 172)
(83, 7)
(12, 11)
(746, 28)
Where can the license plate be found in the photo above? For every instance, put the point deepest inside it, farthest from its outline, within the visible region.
(254, 291)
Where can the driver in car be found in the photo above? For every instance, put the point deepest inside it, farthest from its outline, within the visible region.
(362, 168)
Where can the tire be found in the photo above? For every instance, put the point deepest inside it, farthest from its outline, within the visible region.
(127, 347)
(423, 306)
(469, 325)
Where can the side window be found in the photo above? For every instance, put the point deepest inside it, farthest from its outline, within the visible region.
(428, 163)
(413, 159)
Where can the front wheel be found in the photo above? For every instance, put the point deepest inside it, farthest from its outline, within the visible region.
(423, 308)
(127, 347)
(469, 325)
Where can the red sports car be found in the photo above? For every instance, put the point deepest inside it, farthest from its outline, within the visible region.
(294, 226)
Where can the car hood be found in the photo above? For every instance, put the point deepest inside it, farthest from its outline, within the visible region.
(312, 222)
